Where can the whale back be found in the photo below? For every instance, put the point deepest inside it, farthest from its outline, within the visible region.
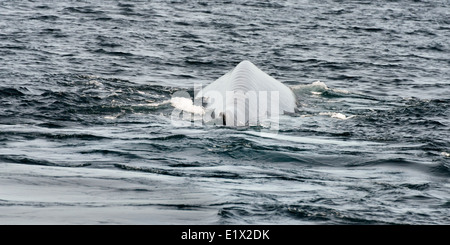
(245, 95)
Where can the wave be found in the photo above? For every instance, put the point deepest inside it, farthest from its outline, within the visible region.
(10, 92)
(31, 161)
(36, 134)
(119, 153)
(74, 97)
(113, 53)
(83, 10)
(317, 88)
(148, 170)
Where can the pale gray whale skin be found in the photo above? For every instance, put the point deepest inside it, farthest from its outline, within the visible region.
(245, 96)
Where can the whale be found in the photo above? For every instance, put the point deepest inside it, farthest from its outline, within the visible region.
(245, 96)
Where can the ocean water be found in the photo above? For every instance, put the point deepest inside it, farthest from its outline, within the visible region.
(86, 135)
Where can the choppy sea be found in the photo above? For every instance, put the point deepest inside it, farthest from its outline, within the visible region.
(86, 135)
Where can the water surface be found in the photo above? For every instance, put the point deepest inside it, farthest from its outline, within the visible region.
(86, 135)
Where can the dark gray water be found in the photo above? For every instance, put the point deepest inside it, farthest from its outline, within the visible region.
(86, 135)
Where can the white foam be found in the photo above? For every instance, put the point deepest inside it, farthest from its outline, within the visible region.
(317, 84)
(342, 91)
(95, 83)
(445, 154)
(186, 104)
(310, 140)
(320, 84)
(335, 115)
(155, 104)
(319, 87)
